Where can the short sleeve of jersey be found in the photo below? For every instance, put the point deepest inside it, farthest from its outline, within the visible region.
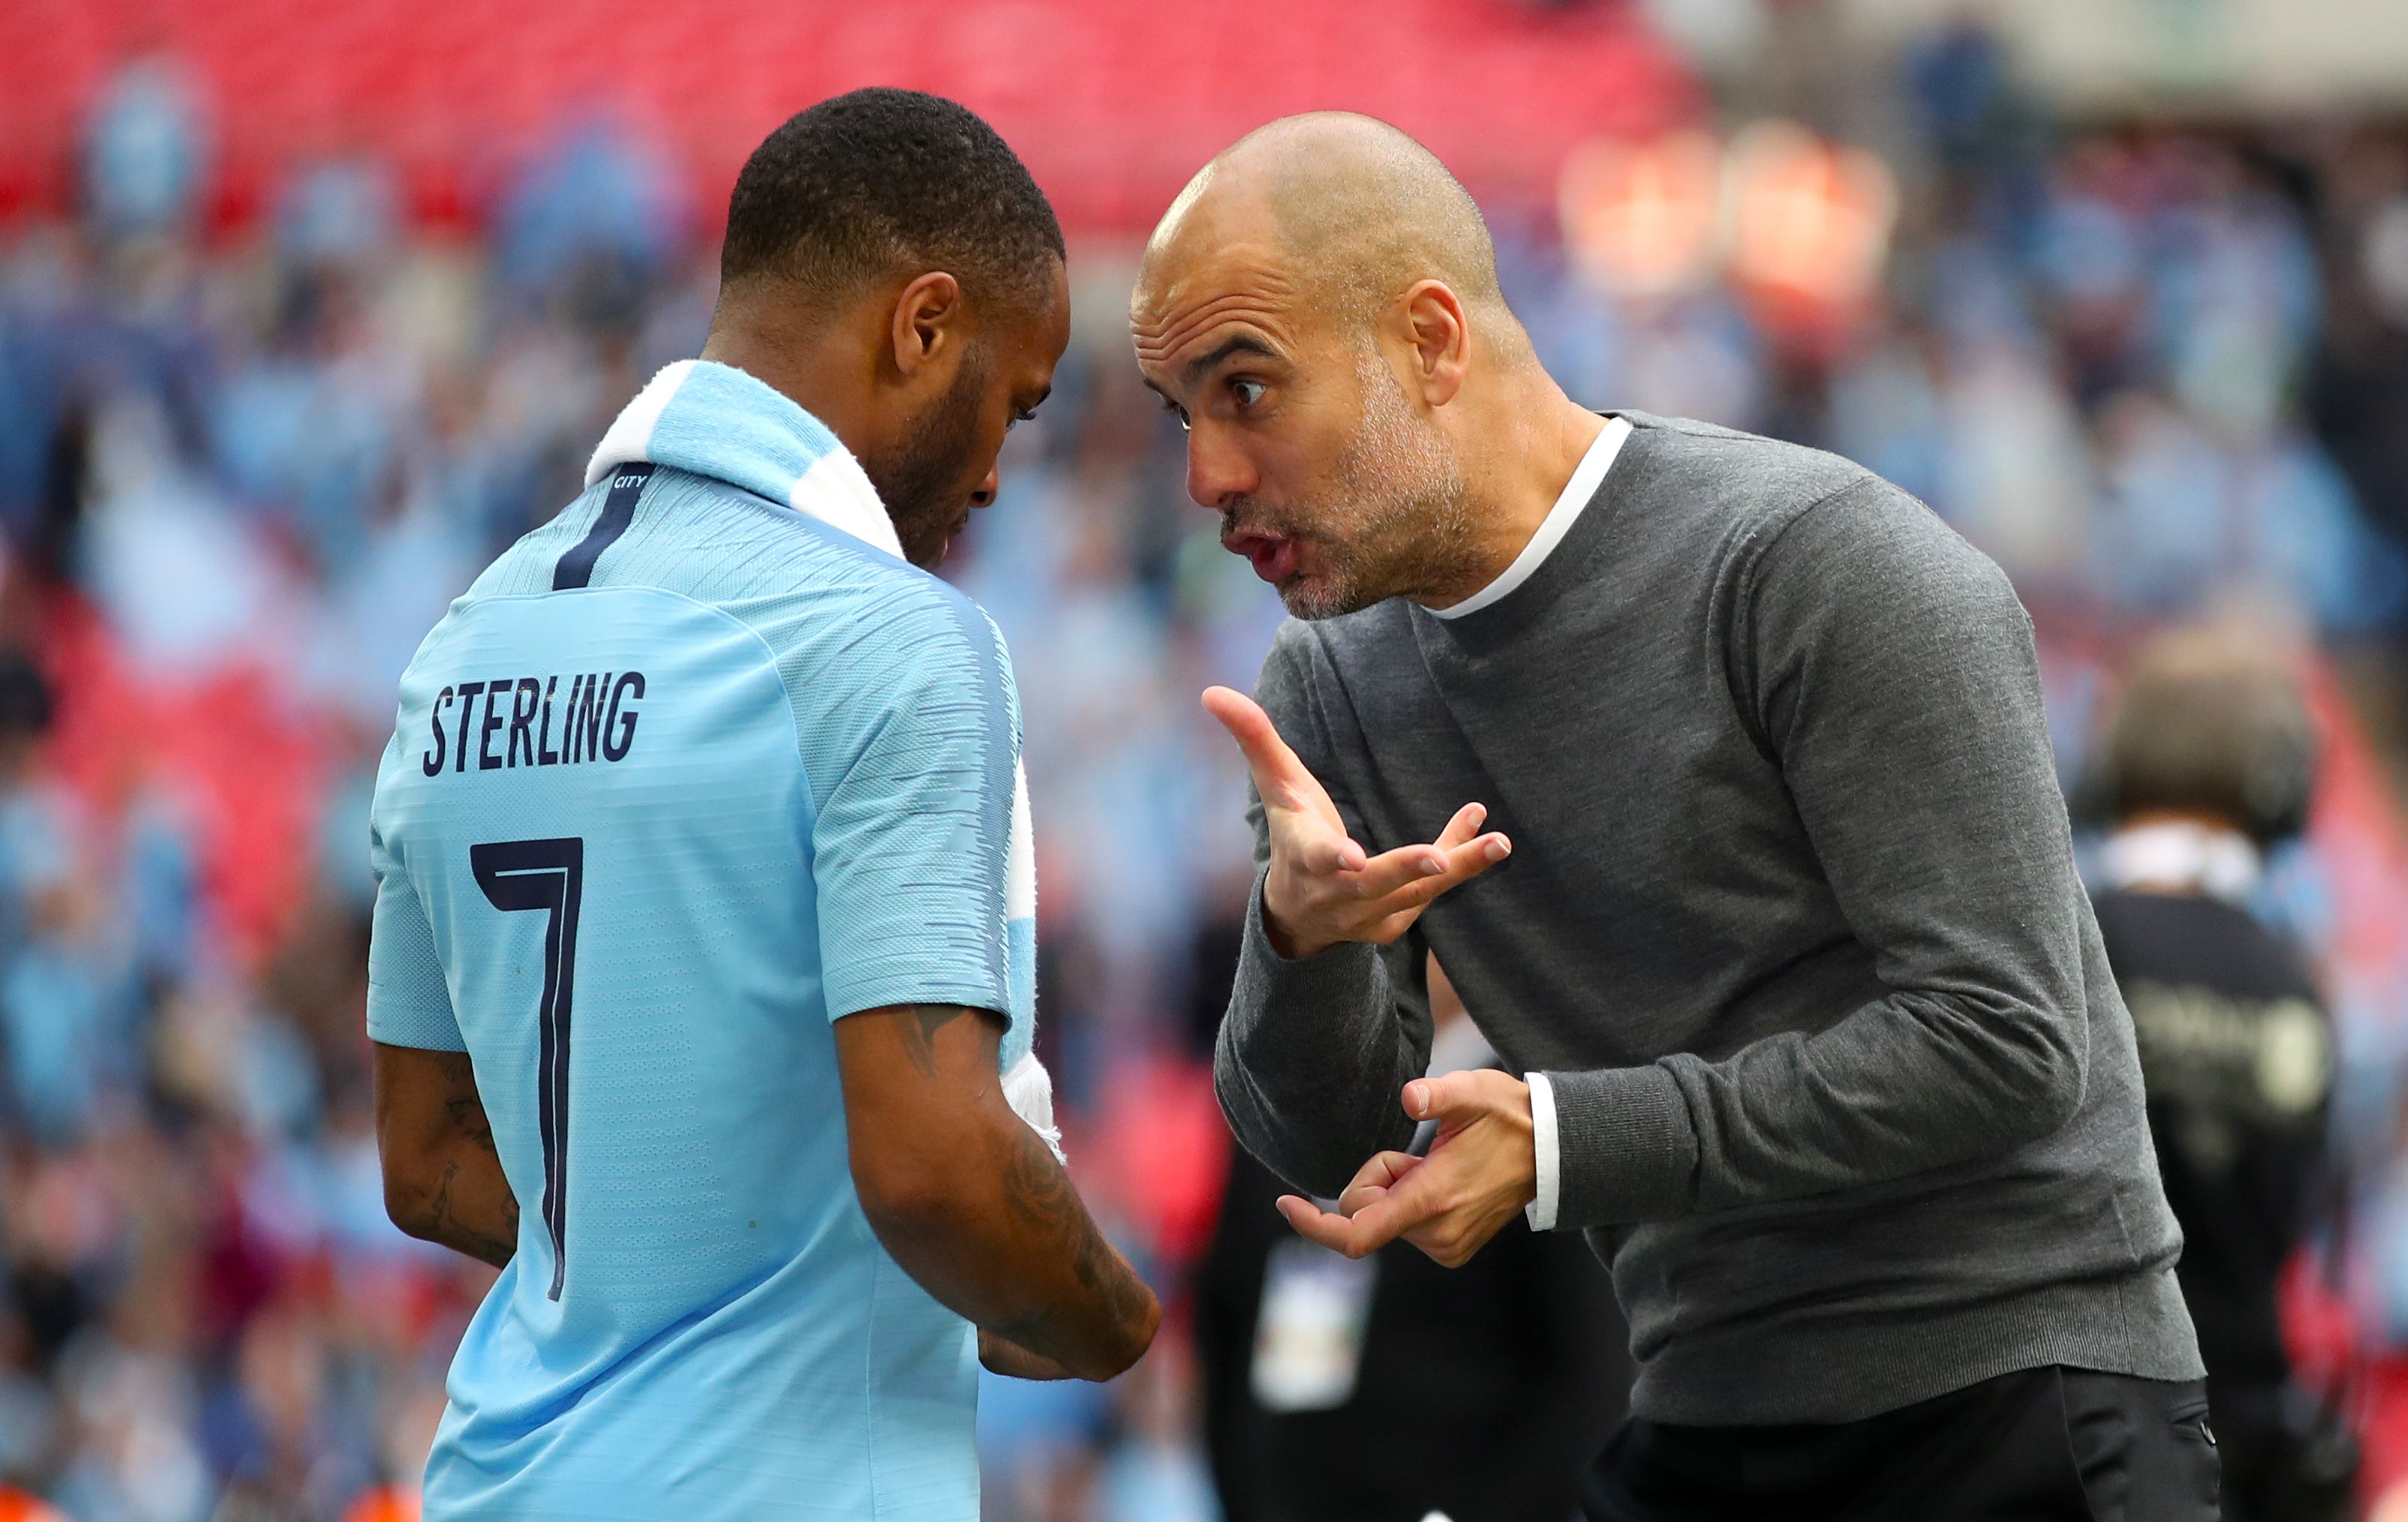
(409, 1003)
(916, 798)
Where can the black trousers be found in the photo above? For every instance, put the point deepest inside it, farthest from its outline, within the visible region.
(2039, 1445)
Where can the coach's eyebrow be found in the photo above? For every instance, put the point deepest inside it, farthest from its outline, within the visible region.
(1242, 343)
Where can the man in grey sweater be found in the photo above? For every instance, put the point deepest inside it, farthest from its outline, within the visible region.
(1780, 919)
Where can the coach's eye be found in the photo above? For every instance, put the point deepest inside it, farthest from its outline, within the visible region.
(1176, 411)
(1248, 392)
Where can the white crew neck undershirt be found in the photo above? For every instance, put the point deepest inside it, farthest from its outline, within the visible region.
(1545, 1143)
(1589, 475)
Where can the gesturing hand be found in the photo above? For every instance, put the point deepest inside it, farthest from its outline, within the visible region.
(1322, 888)
(1482, 1169)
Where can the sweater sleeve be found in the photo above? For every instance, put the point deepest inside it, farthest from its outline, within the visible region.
(1314, 1053)
(1888, 667)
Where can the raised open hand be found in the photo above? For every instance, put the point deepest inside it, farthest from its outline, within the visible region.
(1322, 888)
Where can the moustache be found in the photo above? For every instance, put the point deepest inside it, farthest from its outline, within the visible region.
(1244, 517)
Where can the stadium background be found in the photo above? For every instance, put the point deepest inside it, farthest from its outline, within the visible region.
(305, 309)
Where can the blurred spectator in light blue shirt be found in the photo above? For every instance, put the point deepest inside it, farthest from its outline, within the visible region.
(146, 150)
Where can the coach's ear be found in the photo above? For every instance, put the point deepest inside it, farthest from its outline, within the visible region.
(1441, 335)
(928, 330)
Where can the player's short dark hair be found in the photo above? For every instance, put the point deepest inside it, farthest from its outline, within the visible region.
(868, 184)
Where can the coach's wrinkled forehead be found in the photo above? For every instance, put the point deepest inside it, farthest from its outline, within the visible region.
(1311, 222)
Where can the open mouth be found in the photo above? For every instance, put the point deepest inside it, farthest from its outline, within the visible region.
(1273, 556)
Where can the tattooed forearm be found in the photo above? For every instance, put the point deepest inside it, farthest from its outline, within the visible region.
(1039, 1191)
(467, 1115)
(971, 1202)
(919, 1033)
(1038, 1188)
(444, 1176)
(443, 1223)
(461, 1100)
(1002, 1355)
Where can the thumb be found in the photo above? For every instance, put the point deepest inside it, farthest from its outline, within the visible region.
(1455, 1096)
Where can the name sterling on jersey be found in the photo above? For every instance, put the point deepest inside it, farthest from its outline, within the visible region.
(596, 720)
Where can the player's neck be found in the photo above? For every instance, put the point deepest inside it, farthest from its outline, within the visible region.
(1533, 440)
(817, 369)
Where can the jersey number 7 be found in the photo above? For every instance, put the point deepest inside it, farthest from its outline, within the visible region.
(549, 875)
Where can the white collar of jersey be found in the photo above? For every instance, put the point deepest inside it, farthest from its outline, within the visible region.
(2180, 856)
(716, 421)
(1586, 477)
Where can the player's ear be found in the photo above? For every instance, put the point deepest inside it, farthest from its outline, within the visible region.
(928, 318)
(1441, 335)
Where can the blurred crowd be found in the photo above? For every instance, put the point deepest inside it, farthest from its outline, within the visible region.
(2158, 372)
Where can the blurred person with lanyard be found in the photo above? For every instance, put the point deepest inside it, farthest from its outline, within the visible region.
(2206, 764)
(1807, 1019)
(1476, 1392)
(704, 923)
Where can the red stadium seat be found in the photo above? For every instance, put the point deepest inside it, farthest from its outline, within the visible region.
(1113, 106)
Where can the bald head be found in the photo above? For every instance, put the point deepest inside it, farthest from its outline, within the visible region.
(1319, 307)
(1353, 211)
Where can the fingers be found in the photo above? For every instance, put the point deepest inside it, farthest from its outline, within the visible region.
(1317, 1226)
(1287, 786)
(1462, 827)
(1357, 1236)
(1455, 1096)
(1274, 762)
(1326, 853)
(1450, 1203)
(1374, 1179)
(1324, 888)
(1380, 901)
(1410, 864)
(1447, 1204)
(1466, 862)
(1412, 875)
(1384, 873)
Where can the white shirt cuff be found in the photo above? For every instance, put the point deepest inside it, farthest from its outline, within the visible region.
(1541, 1212)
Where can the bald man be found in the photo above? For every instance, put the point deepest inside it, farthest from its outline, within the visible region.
(1778, 914)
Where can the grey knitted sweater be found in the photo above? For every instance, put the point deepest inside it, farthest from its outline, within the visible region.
(1846, 1096)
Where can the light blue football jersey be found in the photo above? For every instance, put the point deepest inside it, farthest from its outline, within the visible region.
(683, 777)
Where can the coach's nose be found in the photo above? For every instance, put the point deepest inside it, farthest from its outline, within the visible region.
(984, 495)
(1218, 471)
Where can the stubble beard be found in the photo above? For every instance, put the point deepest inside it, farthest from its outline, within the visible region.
(919, 478)
(1397, 521)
